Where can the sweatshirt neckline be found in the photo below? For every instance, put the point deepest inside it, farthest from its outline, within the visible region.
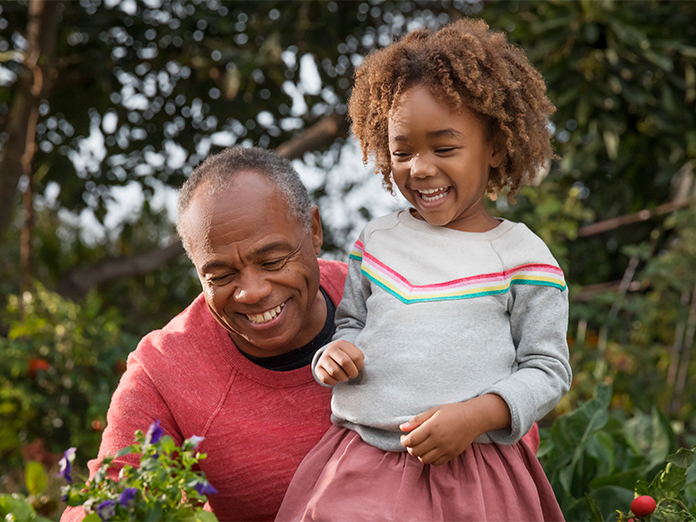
(408, 220)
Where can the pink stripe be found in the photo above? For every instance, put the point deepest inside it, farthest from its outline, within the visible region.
(493, 276)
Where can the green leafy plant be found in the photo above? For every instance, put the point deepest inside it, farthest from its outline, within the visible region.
(600, 460)
(672, 490)
(61, 363)
(164, 486)
(16, 507)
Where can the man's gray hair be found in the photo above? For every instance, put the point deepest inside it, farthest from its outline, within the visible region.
(219, 170)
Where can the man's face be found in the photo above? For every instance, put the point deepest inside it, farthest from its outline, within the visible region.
(257, 264)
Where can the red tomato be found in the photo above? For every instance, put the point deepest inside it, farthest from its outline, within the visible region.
(643, 505)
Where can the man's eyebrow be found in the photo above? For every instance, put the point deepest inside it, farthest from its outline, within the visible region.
(213, 265)
(276, 245)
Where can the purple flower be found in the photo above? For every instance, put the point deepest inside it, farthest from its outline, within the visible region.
(154, 433)
(205, 488)
(106, 509)
(66, 465)
(127, 496)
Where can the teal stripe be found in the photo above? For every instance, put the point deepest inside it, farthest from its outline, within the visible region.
(357, 258)
(406, 300)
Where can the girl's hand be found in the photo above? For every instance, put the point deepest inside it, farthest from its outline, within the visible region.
(340, 361)
(443, 432)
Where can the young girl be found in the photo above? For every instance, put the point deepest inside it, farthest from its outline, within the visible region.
(451, 335)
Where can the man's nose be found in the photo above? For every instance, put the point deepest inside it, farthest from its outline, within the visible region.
(251, 287)
(422, 167)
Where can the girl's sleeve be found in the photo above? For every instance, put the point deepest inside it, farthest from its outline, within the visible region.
(538, 324)
(351, 312)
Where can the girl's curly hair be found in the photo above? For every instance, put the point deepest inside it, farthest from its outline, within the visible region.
(464, 64)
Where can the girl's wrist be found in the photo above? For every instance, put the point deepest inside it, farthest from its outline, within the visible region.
(492, 411)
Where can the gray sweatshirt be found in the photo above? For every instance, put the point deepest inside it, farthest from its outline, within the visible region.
(444, 316)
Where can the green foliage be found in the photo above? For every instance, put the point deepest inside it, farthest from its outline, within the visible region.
(602, 453)
(61, 363)
(165, 486)
(17, 507)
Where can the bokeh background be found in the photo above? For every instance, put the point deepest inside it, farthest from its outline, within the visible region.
(107, 105)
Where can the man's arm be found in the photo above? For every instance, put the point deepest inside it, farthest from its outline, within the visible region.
(135, 405)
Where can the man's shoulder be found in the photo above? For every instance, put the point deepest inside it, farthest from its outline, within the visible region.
(333, 277)
(192, 327)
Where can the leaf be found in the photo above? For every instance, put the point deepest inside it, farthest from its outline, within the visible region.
(92, 517)
(124, 451)
(601, 447)
(683, 458)
(16, 505)
(595, 514)
(168, 444)
(205, 516)
(35, 478)
(648, 436)
(670, 482)
(609, 498)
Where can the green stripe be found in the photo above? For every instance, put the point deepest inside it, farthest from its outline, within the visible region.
(406, 300)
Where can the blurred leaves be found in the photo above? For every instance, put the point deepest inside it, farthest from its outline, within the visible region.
(61, 363)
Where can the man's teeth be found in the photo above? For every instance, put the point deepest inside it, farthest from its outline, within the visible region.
(433, 194)
(266, 316)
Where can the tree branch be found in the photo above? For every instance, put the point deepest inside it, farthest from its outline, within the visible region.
(628, 219)
(322, 133)
(77, 282)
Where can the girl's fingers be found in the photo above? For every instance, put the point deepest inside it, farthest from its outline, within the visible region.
(324, 377)
(345, 363)
(418, 445)
(430, 456)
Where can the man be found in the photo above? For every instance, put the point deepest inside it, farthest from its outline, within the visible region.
(234, 366)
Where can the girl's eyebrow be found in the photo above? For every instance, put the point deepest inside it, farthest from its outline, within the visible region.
(449, 133)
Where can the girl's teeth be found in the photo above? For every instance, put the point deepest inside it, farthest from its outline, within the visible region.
(433, 194)
(266, 316)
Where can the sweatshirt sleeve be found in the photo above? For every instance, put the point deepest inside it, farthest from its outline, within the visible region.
(538, 323)
(351, 312)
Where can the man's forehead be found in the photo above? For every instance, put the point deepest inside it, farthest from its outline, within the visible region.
(238, 213)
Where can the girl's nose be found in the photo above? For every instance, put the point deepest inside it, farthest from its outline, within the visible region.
(421, 167)
(251, 288)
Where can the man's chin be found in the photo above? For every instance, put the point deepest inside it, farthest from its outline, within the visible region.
(252, 343)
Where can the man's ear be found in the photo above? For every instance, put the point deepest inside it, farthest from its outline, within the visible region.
(317, 232)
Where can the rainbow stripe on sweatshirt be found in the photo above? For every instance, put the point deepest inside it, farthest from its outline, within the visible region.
(465, 288)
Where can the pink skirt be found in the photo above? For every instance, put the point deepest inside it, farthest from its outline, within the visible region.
(346, 479)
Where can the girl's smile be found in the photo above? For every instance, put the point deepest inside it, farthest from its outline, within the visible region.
(441, 160)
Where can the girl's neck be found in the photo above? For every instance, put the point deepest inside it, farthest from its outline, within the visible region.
(479, 222)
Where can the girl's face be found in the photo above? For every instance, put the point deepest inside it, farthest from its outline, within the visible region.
(440, 161)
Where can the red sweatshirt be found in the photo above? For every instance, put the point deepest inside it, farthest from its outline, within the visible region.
(258, 424)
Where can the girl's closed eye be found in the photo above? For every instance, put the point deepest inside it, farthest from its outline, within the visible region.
(401, 154)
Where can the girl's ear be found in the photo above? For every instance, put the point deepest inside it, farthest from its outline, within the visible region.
(497, 153)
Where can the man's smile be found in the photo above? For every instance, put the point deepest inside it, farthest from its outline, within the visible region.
(267, 316)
